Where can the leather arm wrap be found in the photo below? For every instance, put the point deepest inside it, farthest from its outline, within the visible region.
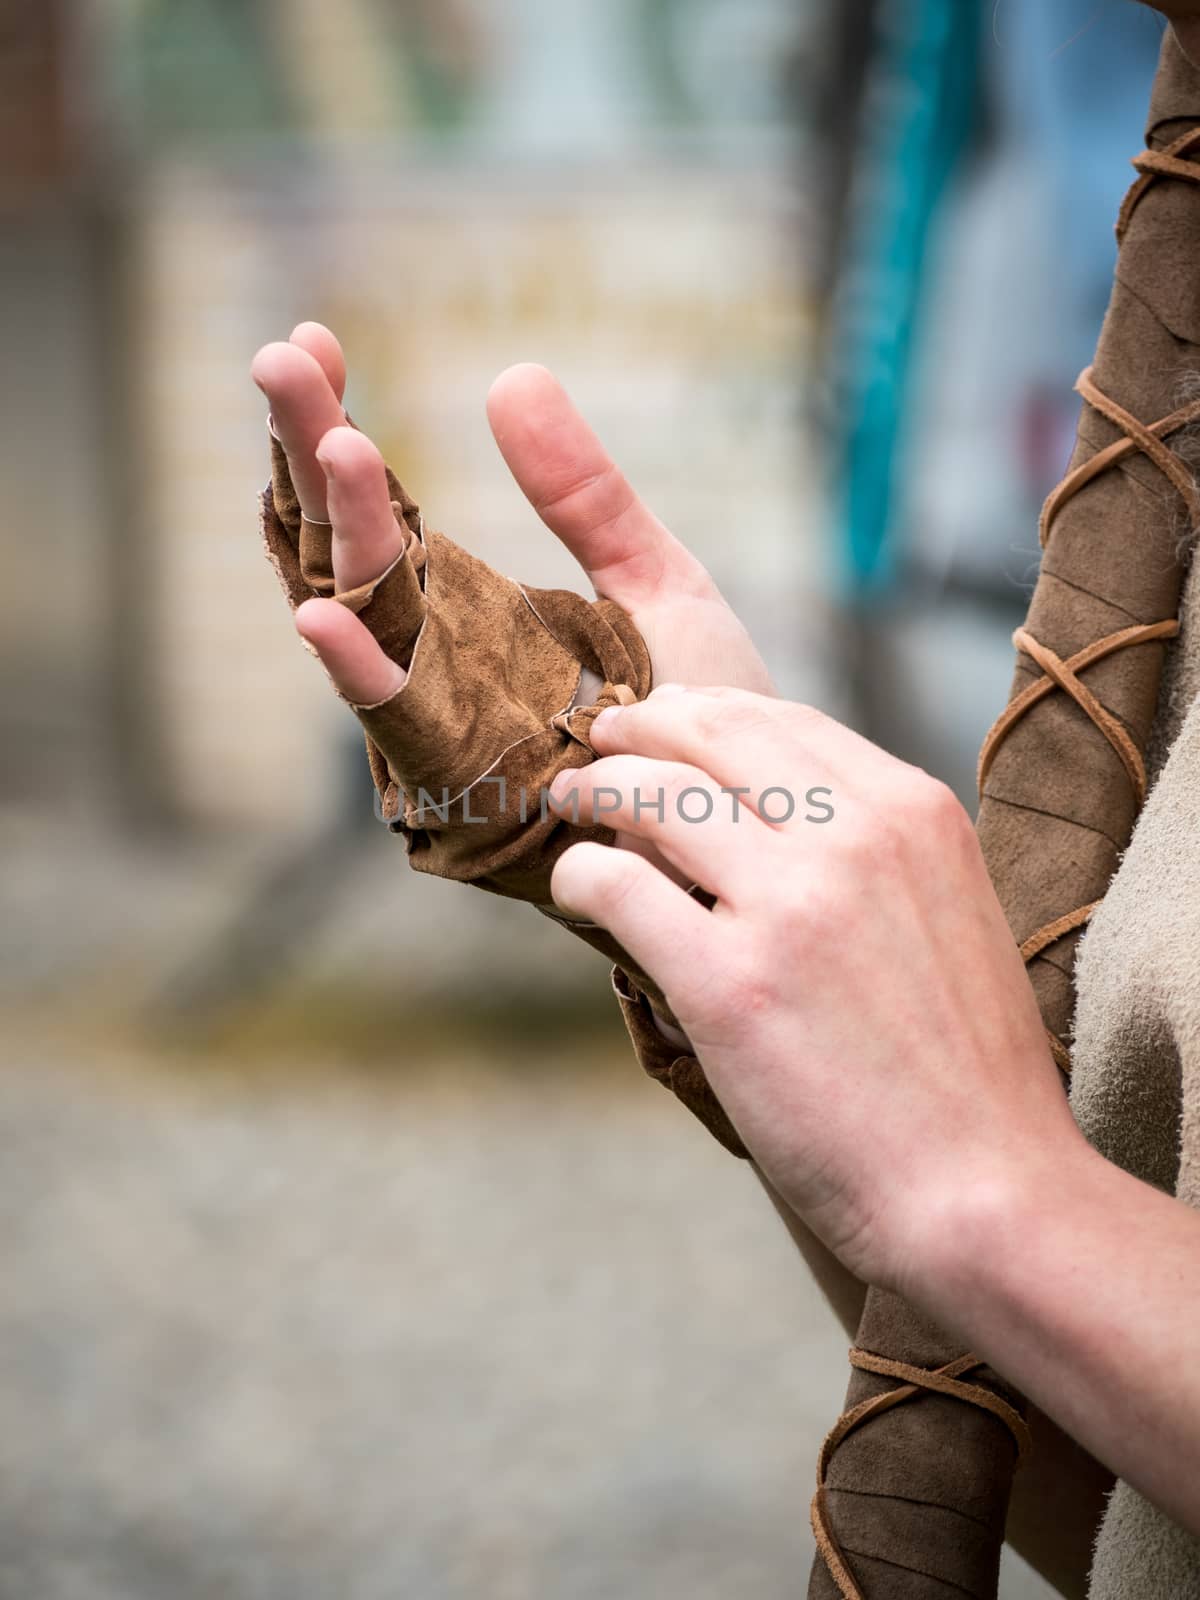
(675, 1069)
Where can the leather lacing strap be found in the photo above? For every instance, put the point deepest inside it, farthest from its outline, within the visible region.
(1057, 674)
(913, 1381)
(1064, 675)
(1042, 940)
(1154, 164)
(1060, 674)
(1148, 440)
(1137, 438)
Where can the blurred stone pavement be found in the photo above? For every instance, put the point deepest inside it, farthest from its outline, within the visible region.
(449, 1310)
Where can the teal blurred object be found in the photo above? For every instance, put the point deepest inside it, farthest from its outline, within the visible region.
(918, 114)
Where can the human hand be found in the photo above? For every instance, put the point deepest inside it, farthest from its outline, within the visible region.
(855, 997)
(560, 465)
(630, 558)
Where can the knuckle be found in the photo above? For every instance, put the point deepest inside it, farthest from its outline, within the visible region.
(791, 726)
(677, 782)
(728, 713)
(870, 848)
(745, 990)
(573, 880)
(616, 880)
(931, 804)
(946, 805)
(796, 916)
(801, 919)
(954, 826)
(920, 811)
(718, 714)
(632, 784)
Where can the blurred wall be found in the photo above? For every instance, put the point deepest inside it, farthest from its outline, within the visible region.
(621, 192)
(668, 302)
(452, 187)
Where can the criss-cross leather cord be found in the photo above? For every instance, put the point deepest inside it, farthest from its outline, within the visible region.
(913, 1381)
(1136, 438)
(1154, 164)
(1148, 440)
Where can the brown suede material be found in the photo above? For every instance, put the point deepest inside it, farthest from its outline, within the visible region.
(921, 1490)
(924, 1488)
(1058, 809)
(675, 1069)
(463, 753)
(299, 550)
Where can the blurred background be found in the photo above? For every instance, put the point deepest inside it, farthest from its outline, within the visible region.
(343, 1247)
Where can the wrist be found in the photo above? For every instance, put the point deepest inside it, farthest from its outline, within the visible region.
(975, 1232)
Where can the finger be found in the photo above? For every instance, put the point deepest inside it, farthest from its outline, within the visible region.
(324, 348)
(349, 653)
(748, 740)
(366, 536)
(573, 485)
(303, 409)
(667, 933)
(711, 837)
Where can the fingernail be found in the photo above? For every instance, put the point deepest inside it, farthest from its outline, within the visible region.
(669, 688)
(607, 717)
(562, 785)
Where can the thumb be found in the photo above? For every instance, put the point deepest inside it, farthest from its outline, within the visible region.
(580, 494)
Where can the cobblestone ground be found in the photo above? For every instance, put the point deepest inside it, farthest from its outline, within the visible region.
(455, 1335)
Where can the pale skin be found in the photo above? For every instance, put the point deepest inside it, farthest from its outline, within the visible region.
(855, 997)
(860, 1008)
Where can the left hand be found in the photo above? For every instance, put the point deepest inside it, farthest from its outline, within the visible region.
(626, 553)
(574, 486)
(856, 997)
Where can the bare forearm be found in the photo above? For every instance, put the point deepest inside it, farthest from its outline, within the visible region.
(865, 1019)
(1081, 1284)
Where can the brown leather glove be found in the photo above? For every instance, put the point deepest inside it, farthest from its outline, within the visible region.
(504, 683)
(491, 710)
